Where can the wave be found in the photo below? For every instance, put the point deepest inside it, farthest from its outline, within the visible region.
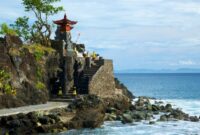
(191, 107)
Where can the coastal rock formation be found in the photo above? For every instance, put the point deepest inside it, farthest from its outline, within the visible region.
(143, 109)
(90, 112)
(120, 86)
(25, 72)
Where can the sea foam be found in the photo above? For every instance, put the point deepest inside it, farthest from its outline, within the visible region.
(191, 107)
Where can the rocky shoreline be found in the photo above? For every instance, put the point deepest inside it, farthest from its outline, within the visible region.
(91, 111)
(111, 103)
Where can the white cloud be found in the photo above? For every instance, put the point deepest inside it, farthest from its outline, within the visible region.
(152, 33)
(187, 62)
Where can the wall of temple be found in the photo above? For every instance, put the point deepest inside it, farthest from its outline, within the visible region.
(102, 83)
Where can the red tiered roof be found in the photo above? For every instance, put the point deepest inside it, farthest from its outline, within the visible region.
(65, 23)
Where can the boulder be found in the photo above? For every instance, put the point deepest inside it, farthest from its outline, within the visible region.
(111, 110)
(54, 117)
(148, 116)
(149, 107)
(90, 113)
(138, 115)
(168, 108)
(13, 123)
(110, 117)
(194, 119)
(178, 114)
(127, 118)
(125, 90)
(163, 118)
(155, 108)
(151, 122)
(44, 120)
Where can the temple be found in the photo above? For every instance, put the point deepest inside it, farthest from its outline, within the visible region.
(80, 71)
(65, 24)
(64, 27)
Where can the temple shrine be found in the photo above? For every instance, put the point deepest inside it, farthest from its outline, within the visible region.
(63, 33)
(65, 24)
(79, 69)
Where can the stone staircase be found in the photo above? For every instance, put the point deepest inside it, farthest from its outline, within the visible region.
(88, 73)
(64, 98)
(83, 84)
(69, 97)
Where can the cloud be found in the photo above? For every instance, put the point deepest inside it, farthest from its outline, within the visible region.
(135, 33)
(187, 62)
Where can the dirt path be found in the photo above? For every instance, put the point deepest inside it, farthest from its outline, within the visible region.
(32, 108)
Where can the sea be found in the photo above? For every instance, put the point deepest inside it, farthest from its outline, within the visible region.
(180, 89)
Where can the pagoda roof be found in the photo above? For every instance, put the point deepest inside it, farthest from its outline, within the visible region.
(65, 21)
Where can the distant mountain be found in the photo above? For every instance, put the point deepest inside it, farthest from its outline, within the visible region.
(181, 70)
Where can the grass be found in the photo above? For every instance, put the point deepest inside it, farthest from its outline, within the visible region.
(40, 86)
(5, 86)
(39, 51)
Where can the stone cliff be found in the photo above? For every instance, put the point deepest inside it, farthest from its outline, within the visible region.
(29, 73)
(25, 72)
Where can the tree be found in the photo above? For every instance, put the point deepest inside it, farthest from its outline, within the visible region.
(40, 31)
(6, 30)
(22, 28)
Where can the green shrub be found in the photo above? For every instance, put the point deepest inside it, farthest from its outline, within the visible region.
(5, 86)
(5, 29)
(40, 86)
(39, 73)
(14, 51)
(39, 51)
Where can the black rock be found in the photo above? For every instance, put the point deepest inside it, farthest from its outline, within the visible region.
(127, 118)
(168, 108)
(163, 118)
(21, 116)
(155, 108)
(44, 120)
(54, 117)
(194, 118)
(13, 124)
(152, 122)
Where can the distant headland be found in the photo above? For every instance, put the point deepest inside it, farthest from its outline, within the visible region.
(180, 70)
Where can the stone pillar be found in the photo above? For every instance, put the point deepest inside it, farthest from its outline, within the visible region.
(88, 62)
(68, 74)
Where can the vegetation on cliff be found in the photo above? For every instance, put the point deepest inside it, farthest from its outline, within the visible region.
(5, 29)
(25, 72)
(5, 84)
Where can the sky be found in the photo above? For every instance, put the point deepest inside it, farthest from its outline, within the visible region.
(136, 34)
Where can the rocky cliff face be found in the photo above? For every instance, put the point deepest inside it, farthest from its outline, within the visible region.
(25, 72)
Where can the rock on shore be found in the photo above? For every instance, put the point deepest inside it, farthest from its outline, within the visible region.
(91, 111)
(143, 109)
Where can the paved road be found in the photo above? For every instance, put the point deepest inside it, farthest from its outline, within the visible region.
(31, 108)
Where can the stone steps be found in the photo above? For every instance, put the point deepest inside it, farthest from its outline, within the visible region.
(88, 74)
(61, 100)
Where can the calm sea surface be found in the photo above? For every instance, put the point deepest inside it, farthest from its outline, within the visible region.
(181, 90)
(164, 86)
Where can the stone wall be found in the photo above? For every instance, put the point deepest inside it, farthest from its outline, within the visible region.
(102, 83)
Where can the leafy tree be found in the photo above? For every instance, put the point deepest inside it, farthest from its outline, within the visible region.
(41, 29)
(5, 29)
(22, 28)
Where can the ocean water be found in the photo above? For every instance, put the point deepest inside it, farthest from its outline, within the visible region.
(163, 86)
(181, 90)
